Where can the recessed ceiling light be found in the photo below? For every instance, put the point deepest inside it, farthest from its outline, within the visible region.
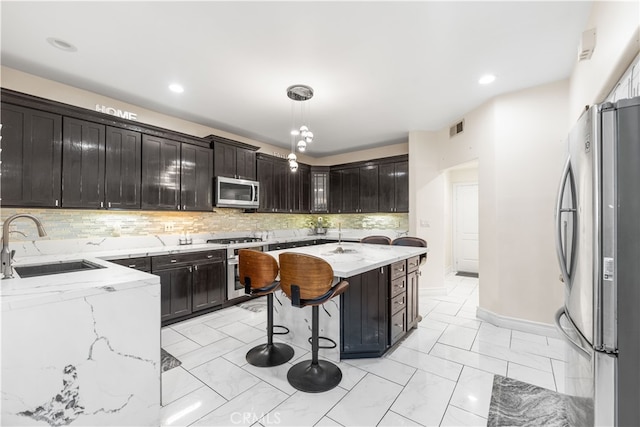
(486, 79)
(61, 44)
(175, 87)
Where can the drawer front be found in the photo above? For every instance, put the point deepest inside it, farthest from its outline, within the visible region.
(413, 263)
(398, 326)
(139, 263)
(398, 303)
(164, 261)
(398, 269)
(398, 286)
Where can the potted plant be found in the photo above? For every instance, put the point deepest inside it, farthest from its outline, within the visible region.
(318, 225)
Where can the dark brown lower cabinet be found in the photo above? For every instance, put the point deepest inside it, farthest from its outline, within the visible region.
(175, 291)
(190, 282)
(364, 315)
(208, 284)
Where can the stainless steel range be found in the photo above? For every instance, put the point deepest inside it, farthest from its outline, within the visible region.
(234, 288)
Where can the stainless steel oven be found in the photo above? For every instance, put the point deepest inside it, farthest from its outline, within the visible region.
(234, 288)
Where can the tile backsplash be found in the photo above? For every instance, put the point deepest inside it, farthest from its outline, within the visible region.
(80, 223)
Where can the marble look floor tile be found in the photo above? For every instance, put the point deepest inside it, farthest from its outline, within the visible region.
(366, 403)
(456, 417)
(245, 409)
(553, 352)
(467, 314)
(224, 377)
(470, 358)
(393, 419)
(429, 323)
(450, 308)
(202, 334)
(386, 368)
(427, 363)
(350, 375)
(473, 391)
(558, 374)
(519, 357)
(191, 407)
(305, 409)
(275, 376)
(531, 376)
(494, 335)
(458, 336)
(231, 315)
(459, 321)
(169, 336)
(424, 399)
(327, 422)
(243, 332)
(526, 336)
(176, 383)
(209, 352)
(421, 339)
(181, 347)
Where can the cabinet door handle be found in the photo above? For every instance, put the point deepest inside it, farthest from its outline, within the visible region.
(195, 267)
(173, 261)
(190, 270)
(102, 204)
(209, 256)
(56, 202)
(109, 204)
(131, 266)
(184, 207)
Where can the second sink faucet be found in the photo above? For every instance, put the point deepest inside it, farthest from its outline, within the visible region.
(6, 256)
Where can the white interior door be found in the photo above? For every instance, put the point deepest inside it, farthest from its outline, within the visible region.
(465, 228)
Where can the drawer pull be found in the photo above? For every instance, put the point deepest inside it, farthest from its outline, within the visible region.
(209, 256)
(173, 261)
(132, 266)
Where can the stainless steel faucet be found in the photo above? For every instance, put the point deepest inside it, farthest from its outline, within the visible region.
(6, 256)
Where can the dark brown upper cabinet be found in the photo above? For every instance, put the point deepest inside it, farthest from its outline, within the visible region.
(83, 163)
(354, 189)
(160, 173)
(273, 175)
(196, 178)
(31, 157)
(233, 161)
(123, 168)
(393, 194)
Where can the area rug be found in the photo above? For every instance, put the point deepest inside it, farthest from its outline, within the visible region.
(465, 274)
(516, 403)
(168, 361)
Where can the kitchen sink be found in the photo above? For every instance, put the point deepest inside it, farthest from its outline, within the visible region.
(55, 268)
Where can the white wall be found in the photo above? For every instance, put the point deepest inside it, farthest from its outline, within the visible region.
(617, 27)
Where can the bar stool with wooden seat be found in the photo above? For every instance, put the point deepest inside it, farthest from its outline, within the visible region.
(412, 241)
(258, 272)
(376, 240)
(307, 281)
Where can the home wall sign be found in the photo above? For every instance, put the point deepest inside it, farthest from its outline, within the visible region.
(116, 112)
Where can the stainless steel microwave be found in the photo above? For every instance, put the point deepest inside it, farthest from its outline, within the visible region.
(236, 193)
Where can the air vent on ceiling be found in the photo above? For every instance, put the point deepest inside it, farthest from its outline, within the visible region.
(587, 44)
(456, 129)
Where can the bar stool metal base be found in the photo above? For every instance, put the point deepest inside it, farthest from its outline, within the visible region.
(314, 378)
(265, 355)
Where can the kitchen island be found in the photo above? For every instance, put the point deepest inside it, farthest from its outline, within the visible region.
(378, 309)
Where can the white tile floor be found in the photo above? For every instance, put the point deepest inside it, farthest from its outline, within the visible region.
(441, 374)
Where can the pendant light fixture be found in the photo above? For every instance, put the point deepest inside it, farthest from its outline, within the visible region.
(300, 135)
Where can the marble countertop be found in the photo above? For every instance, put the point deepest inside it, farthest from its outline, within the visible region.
(17, 292)
(365, 257)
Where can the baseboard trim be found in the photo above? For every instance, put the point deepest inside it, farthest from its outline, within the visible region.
(521, 325)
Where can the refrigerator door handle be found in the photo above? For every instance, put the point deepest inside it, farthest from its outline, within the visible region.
(581, 350)
(567, 176)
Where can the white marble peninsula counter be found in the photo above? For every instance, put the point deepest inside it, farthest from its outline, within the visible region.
(82, 347)
(371, 306)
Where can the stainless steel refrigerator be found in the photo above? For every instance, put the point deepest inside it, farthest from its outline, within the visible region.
(598, 245)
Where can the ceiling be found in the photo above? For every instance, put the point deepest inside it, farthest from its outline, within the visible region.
(378, 69)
